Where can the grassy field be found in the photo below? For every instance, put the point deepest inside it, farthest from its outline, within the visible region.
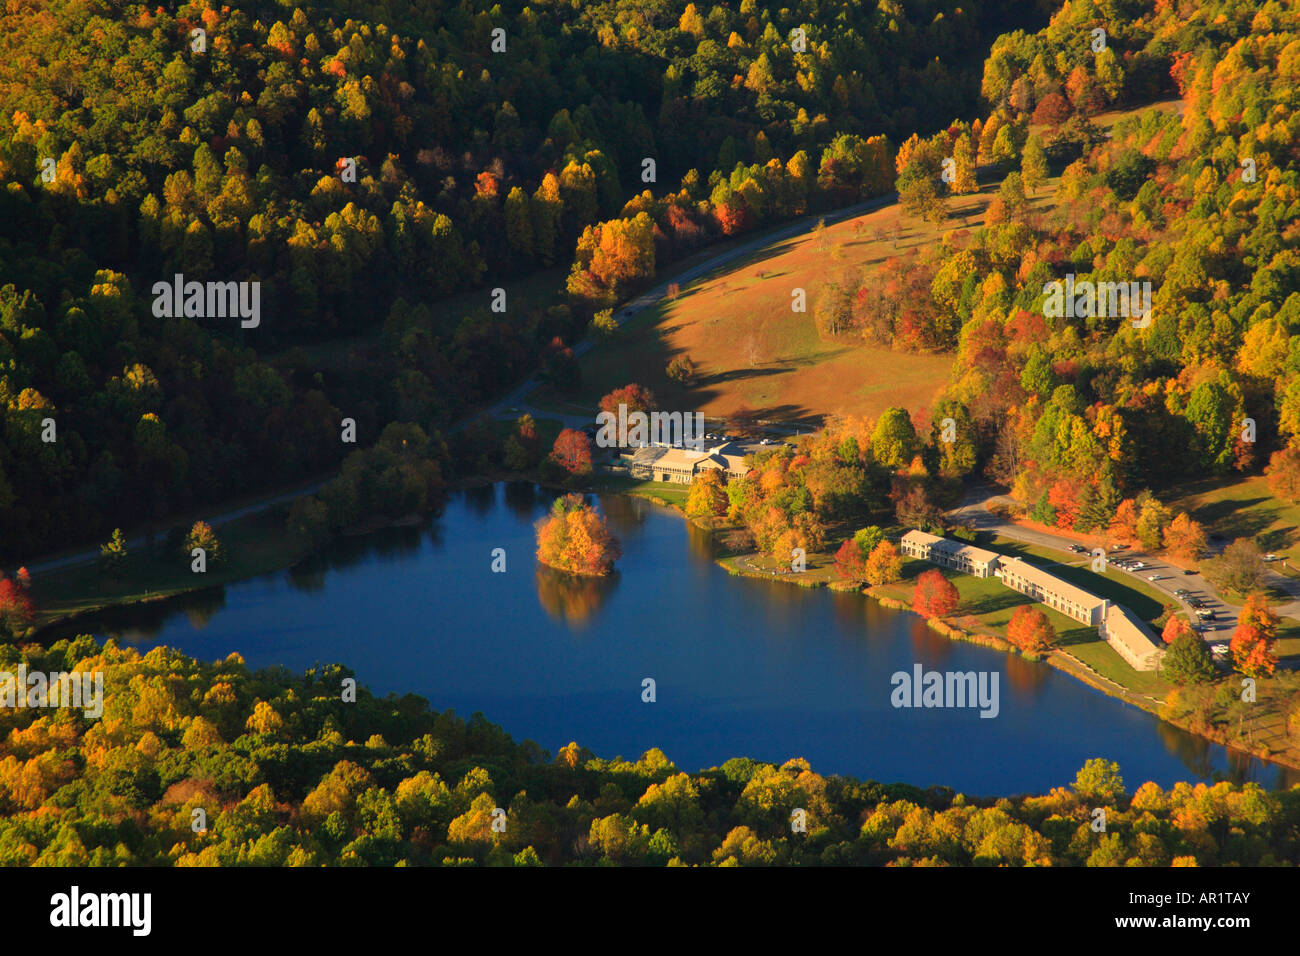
(253, 545)
(1242, 508)
(750, 349)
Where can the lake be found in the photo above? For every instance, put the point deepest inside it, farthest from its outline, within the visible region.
(741, 667)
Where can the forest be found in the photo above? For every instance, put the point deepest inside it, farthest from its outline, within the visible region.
(360, 160)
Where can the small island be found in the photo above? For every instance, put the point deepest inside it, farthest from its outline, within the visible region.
(573, 538)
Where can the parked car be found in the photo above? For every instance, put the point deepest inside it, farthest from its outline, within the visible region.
(1157, 577)
(1118, 547)
(1188, 571)
(1181, 592)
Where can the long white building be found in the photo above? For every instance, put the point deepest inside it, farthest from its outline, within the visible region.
(1118, 626)
(950, 554)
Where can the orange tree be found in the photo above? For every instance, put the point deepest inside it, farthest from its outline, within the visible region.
(574, 538)
(935, 596)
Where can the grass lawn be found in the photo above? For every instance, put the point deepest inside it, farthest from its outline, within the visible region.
(1242, 508)
(1102, 658)
(253, 545)
(671, 492)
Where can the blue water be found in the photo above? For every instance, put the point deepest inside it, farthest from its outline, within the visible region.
(741, 667)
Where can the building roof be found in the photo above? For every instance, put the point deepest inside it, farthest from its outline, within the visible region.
(1122, 625)
(950, 547)
(1050, 582)
(680, 458)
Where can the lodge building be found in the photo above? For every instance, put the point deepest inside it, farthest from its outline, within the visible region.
(950, 554)
(681, 465)
(1048, 589)
(1117, 625)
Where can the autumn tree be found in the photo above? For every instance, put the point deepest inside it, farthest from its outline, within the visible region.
(884, 564)
(1185, 538)
(851, 563)
(1175, 628)
(708, 495)
(935, 596)
(16, 605)
(1283, 473)
(572, 452)
(1123, 527)
(611, 254)
(636, 398)
(1030, 630)
(1252, 641)
(202, 536)
(574, 538)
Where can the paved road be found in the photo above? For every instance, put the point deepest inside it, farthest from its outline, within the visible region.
(973, 511)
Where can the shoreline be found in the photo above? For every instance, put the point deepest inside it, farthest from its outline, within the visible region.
(1058, 658)
(1061, 660)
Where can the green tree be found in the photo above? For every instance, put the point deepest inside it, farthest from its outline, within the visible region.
(893, 441)
(1033, 163)
(1188, 661)
(113, 553)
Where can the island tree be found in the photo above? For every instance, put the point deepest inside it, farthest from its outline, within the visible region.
(574, 538)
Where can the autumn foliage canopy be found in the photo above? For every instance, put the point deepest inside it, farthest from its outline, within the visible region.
(574, 538)
(1030, 630)
(935, 595)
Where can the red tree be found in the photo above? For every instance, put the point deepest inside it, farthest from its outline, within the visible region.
(935, 595)
(1176, 628)
(16, 605)
(572, 450)
(850, 565)
(1053, 110)
(636, 398)
(1283, 473)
